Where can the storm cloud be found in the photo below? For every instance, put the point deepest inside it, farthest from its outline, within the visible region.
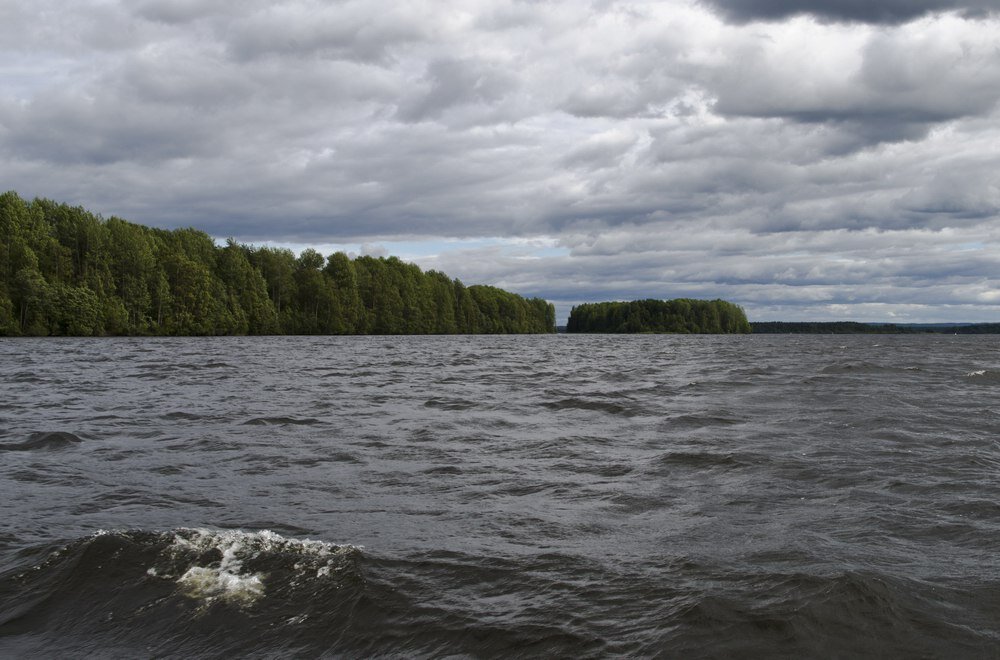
(813, 160)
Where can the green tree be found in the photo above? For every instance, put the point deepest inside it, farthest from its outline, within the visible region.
(73, 311)
(197, 300)
(246, 291)
(277, 266)
(64, 270)
(31, 296)
(8, 324)
(315, 300)
(681, 315)
(132, 268)
(344, 278)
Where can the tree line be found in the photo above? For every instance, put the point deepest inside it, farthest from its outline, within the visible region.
(682, 315)
(858, 328)
(66, 271)
(829, 328)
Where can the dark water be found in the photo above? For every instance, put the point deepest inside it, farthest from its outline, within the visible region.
(553, 496)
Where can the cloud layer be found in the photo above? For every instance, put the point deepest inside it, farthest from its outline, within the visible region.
(890, 12)
(806, 160)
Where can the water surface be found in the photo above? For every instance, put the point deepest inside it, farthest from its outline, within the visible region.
(702, 496)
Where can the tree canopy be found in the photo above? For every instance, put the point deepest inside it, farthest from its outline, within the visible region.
(682, 315)
(66, 271)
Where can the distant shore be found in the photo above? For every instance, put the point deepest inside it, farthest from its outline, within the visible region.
(856, 328)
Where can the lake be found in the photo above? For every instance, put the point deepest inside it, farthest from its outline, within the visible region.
(497, 496)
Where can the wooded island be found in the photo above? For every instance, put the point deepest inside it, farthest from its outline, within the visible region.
(659, 316)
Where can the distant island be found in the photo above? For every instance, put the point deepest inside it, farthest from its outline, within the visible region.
(682, 315)
(67, 272)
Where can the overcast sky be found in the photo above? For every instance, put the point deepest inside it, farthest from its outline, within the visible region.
(823, 160)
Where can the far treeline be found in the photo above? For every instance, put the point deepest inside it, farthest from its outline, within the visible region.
(66, 271)
(856, 328)
(659, 316)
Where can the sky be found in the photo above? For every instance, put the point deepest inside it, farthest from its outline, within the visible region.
(822, 160)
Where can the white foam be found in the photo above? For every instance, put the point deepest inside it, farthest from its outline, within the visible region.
(978, 372)
(228, 580)
(220, 583)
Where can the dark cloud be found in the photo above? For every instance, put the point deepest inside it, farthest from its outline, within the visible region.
(887, 12)
(62, 129)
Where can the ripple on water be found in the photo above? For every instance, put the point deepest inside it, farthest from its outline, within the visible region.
(565, 496)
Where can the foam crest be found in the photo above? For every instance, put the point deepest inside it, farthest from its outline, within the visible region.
(225, 581)
(237, 567)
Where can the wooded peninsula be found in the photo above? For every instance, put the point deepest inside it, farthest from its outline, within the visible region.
(66, 271)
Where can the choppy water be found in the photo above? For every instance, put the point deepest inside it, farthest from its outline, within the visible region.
(543, 496)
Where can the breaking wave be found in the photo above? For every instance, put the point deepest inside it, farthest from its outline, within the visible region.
(127, 585)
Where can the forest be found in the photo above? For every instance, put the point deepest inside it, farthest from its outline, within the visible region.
(682, 315)
(66, 271)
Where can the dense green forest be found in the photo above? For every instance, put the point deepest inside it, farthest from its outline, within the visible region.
(681, 316)
(66, 271)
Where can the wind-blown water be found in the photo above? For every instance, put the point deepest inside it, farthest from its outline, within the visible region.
(532, 496)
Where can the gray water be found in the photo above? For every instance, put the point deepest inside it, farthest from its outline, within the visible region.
(532, 496)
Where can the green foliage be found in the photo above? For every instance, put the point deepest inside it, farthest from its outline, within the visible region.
(128, 268)
(65, 271)
(246, 292)
(73, 311)
(659, 316)
(348, 317)
(8, 324)
(277, 266)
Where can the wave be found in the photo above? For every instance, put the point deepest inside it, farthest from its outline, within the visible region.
(144, 589)
(576, 403)
(233, 565)
(282, 421)
(824, 616)
(43, 441)
(25, 377)
(857, 368)
(212, 593)
(984, 376)
(706, 419)
(704, 460)
(450, 403)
